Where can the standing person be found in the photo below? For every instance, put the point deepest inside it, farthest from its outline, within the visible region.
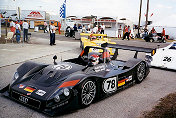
(95, 29)
(25, 31)
(163, 35)
(88, 27)
(75, 28)
(79, 26)
(120, 32)
(18, 30)
(126, 34)
(102, 28)
(83, 29)
(45, 26)
(12, 26)
(59, 27)
(129, 32)
(99, 29)
(52, 33)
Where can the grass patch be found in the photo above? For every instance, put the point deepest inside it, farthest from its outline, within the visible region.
(166, 108)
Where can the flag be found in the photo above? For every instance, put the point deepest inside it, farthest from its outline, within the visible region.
(63, 10)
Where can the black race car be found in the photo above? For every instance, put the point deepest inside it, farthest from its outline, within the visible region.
(77, 82)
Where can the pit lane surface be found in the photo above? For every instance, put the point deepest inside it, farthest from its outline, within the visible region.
(129, 103)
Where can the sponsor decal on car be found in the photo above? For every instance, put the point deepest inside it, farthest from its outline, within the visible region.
(21, 86)
(110, 85)
(30, 89)
(121, 82)
(129, 78)
(40, 92)
(100, 68)
(62, 67)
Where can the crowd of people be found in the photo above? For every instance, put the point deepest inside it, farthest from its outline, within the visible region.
(153, 33)
(97, 29)
(17, 27)
(125, 32)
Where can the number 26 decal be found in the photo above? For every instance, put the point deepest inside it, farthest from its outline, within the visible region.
(168, 59)
(110, 85)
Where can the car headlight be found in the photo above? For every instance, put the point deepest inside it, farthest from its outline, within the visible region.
(66, 92)
(16, 75)
(57, 98)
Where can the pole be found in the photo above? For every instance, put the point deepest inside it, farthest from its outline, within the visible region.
(6, 26)
(139, 18)
(19, 13)
(147, 14)
(0, 27)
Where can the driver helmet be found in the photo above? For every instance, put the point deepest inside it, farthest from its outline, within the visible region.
(94, 59)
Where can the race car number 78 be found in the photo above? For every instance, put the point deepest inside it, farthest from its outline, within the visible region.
(109, 85)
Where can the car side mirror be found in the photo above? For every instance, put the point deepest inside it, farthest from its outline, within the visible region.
(55, 57)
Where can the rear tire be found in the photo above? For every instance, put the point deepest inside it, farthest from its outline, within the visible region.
(140, 72)
(87, 92)
(81, 44)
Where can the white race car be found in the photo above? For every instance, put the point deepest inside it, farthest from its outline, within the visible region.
(164, 57)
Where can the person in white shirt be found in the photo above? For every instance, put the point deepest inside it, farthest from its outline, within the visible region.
(25, 30)
(18, 29)
(102, 28)
(88, 27)
(52, 33)
(83, 29)
(95, 29)
(12, 26)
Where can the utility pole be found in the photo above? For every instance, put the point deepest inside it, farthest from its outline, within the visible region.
(147, 14)
(139, 18)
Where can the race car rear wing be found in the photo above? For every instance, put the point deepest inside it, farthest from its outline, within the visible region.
(131, 48)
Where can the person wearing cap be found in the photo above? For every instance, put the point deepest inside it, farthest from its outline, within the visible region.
(18, 29)
(52, 33)
(25, 31)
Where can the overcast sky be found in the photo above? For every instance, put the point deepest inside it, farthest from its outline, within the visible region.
(164, 11)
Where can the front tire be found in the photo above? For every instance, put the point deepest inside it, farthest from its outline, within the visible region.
(87, 93)
(140, 73)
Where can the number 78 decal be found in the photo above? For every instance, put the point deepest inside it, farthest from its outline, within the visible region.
(110, 85)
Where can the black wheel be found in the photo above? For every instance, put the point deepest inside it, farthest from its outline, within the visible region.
(140, 73)
(80, 44)
(151, 40)
(73, 36)
(66, 34)
(87, 93)
(164, 41)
